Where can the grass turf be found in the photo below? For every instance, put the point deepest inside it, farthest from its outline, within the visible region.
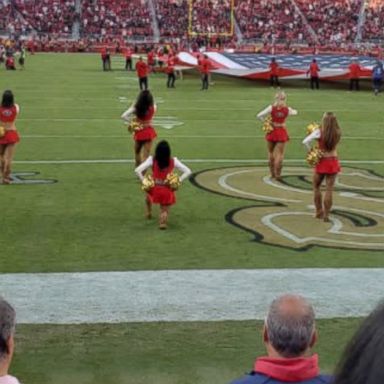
(92, 219)
(182, 353)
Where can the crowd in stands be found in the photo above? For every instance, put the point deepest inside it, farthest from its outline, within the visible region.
(331, 23)
(210, 17)
(332, 20)
(169, 11)
(116, 18)
(373, 27)
(46, 16)
(270, 20)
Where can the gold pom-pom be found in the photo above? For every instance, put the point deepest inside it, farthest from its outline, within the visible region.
(173, 181)
(312, 127)
(267, 124)
(314, 156)
(135, 125)
(2, 131)
(148, 183)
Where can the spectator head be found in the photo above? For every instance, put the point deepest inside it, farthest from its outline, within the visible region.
(273, 60)
(7, 330)
(362, 360)
(289, 329)
(314, 61)
(8, 99)
(205, 57)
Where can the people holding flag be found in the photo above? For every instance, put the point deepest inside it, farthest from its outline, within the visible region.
(313, 71)
(377, 77)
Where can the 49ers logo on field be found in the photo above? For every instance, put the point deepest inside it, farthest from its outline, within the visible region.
(282, 213)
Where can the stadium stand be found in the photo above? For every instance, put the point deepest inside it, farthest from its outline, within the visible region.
(5, 10)
(211, 17)
(127, 19)
(273, 23)
(334, 21)
(45, 16)
(373, 27)
(270, 20)
(169, 11)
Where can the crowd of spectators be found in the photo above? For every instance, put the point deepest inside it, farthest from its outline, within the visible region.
(167, 12)
(373, 28)
(128, 19)
(211, 17)
(333, 21)
(45, 16)
(5, 10)
(197, 23)
(270, 20)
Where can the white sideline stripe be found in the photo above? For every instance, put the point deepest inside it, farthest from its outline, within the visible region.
(236, 161)
(187, 137)
(187, 295)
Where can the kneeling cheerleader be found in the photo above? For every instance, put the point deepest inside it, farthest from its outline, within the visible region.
(161, 186)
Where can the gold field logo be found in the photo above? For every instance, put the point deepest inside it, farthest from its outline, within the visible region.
(282, 214)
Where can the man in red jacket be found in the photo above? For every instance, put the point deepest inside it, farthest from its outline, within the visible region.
(142, 73)
(204, 69)
(354, 75)
(313, 71)
(289, 335)
(171, 72)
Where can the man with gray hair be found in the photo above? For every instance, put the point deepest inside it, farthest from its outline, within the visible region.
(289, 334)
(7, 330)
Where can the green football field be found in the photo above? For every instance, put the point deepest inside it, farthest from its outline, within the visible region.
(91, 219)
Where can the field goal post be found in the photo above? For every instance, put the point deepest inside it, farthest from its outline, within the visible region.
(192, 32)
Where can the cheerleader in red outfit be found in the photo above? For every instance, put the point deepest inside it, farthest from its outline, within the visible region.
(276, 140)
(328, 167)
(144, 109)
(8, 134)
(162, 164)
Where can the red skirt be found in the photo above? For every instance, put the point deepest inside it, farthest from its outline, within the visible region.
(328, 166)
(161, 194)
(278, 135)
(145, 134)
(10, 137)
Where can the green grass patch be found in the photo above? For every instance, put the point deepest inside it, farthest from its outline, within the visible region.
(185, 353)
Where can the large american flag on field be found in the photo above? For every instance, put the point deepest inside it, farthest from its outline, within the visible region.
(256, 66)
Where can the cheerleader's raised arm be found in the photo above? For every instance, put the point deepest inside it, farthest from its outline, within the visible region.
(164, 182)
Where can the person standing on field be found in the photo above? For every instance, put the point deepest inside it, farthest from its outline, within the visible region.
(313, 71)
(142, 73)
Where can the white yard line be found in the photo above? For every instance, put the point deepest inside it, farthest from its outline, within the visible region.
(188, 295)
(235, 161)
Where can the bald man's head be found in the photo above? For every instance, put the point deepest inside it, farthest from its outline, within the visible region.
(290, 326)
